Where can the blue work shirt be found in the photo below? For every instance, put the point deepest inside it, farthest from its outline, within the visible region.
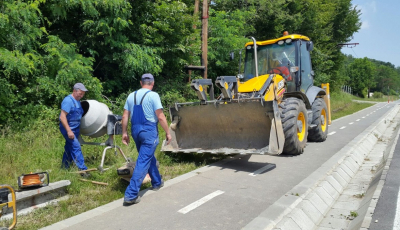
(150, 104)
(70, 105)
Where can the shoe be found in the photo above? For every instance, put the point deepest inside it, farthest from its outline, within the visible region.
(85, 175)
(158, 187)
(130, 202)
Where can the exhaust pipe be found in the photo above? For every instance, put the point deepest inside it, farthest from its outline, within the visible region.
(255, 54)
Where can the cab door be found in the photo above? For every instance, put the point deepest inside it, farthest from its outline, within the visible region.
(306, 73)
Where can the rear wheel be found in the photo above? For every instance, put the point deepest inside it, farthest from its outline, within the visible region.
(295, 126)
(320, 119)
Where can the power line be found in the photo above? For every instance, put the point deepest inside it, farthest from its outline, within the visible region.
(354, 52)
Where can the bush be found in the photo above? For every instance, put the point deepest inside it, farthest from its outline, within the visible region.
(377, 95)
(393, 93)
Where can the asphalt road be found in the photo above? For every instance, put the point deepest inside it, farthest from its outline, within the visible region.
(387, 210)
(231, 195)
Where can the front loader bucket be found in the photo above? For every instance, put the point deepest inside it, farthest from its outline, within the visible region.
(227, 128)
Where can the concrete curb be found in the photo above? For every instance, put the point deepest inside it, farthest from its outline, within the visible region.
(31, 199)
(307, 203)
(375, 188)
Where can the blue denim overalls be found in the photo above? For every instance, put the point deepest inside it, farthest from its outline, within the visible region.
(145, 135)
(72, 148)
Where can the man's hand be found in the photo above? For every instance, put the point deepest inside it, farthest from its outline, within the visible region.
(164, 124)
(70, 135)
(169, 138)
(125, 138)
(125, 118)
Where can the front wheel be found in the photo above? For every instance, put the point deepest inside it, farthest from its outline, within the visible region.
(295, 125)
(319, 133)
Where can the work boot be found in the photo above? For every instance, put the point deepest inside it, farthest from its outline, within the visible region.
(158, 187)
(130, 202)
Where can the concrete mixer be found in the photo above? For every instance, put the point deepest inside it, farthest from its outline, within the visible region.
(97, 121)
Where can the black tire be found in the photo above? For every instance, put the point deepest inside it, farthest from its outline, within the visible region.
(320, 119)
(295, 125)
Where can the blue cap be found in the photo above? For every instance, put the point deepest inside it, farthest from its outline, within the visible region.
(80, 86)
(147, 77)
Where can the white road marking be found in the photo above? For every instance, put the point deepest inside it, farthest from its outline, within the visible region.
(358, 120)
(197, 203)
(331, 133)
(343, 127)
(265, 168)
(351, 123)
(363, 117)
(396, 222)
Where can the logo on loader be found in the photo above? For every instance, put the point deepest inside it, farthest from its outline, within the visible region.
(281, 84)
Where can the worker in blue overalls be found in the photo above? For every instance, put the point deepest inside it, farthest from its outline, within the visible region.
(70, 120)
(144, 109)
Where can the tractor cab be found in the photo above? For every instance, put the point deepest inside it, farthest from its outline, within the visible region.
(288, 56)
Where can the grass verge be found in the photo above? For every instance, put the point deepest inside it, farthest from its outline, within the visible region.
(40, 148)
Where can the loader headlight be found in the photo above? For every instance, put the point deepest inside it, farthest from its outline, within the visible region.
(289, 40)
(281, 42)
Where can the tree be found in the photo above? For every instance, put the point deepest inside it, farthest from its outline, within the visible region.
(362, 75)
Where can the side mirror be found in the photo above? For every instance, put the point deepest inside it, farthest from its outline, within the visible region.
(310, 46)
(232, 56)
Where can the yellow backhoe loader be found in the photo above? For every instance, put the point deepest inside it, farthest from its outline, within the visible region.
(271, 108)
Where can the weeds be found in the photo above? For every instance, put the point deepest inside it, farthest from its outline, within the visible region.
(359, 195)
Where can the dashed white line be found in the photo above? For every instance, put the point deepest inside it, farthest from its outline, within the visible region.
(197, 203)
(265, 168)
(331, 133)
(343, 127)
(351, 123)
(363, 117)
(358, 120)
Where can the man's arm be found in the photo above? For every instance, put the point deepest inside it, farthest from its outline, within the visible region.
(164, 124)
(125, 119)
(64, 122)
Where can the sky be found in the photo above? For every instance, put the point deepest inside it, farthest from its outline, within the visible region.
(379, 34)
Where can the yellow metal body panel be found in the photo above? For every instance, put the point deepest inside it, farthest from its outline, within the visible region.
(253, 84)
(275, 91)
(273, 41)
(327, 100)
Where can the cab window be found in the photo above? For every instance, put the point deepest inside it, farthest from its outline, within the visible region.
(306, 78)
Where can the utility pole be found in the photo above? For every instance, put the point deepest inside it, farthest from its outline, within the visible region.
(204, 38)
(204, 41)
(196, 10)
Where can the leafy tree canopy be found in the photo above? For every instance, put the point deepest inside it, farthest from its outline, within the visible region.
(48, 45)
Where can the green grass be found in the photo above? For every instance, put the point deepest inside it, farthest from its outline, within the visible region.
(342, 104)
(383, 99)
(40, 148)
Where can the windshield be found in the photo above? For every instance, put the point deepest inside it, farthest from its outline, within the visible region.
(272, 58)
